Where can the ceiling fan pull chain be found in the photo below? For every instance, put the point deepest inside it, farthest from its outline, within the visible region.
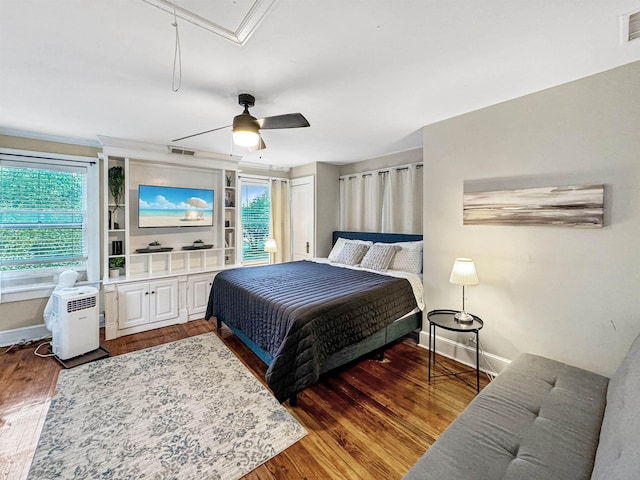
(177, 54)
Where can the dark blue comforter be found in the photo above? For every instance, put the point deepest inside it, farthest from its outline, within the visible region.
(302, 312)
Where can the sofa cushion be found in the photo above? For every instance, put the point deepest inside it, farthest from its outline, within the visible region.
(539, 419)
(618, 455)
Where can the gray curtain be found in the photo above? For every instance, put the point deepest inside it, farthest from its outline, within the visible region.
(386, 200)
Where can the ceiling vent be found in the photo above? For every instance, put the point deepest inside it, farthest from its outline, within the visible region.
(630, 25)
(634, 26)
(182, 151)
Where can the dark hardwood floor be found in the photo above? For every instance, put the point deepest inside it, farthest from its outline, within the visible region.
(368, 420)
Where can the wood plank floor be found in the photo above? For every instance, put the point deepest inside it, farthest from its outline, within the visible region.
(368, 420)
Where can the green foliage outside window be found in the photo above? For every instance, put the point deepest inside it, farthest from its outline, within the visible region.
(41, 219)
(255, 217)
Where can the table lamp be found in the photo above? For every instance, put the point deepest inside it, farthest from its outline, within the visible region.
(464, 273)
(270, 246)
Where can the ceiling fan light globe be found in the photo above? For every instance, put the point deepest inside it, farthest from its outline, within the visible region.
(246, 130)
(245, 138)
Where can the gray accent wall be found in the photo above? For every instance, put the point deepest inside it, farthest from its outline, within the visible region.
(567, 293)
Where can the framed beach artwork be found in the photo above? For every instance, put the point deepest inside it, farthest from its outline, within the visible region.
(162, 206)
(568, 206)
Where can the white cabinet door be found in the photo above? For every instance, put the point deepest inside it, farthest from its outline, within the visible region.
(147, 302)
(163, 300)
(133, 305)
(302, 218)
(199, 287)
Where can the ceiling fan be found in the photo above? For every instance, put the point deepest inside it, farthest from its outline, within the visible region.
(246, 128)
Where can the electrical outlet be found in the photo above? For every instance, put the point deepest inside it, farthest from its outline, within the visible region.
(471, 341)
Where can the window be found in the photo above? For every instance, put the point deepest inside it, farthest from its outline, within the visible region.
(255, 218)
(48, 222)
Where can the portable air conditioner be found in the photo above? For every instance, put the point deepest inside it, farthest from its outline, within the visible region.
(74, 322)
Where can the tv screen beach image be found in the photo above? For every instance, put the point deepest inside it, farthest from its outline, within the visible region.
(160, 206)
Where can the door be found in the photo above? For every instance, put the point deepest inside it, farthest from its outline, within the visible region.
(199, 288)
(133, 305)
(163, 297)
(302, 218)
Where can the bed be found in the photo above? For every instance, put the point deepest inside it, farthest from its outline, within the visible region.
(305, 318)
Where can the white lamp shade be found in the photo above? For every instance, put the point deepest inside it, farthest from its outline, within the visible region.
(464, 272)
(271, 246)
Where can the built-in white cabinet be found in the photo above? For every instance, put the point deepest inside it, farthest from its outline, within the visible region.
(154, 277)
(147, 303)
(198, 288)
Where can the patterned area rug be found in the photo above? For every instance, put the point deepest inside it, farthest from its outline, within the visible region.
(185, 410)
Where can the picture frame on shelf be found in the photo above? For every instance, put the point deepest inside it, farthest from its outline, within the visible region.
(228, 199)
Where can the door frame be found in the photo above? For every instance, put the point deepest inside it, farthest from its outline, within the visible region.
(309, 179)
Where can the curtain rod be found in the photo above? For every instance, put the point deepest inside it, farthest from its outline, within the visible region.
(263, 178)
(381, 171)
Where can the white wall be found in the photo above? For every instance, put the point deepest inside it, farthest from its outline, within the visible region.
(570, 294)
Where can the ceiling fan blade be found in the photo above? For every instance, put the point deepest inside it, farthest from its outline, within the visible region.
(288, 120)
(258, 146)
(201, 133)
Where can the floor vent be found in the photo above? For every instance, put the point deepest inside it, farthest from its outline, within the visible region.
(182, 151)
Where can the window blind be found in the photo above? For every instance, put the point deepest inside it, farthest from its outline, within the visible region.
(43, 221)
(255, 219)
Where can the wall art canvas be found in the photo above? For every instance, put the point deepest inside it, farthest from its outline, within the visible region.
(569, 206)
(162, 206)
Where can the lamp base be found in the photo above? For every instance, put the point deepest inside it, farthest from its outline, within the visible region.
(463, 317)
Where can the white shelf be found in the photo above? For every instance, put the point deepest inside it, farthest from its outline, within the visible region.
(176, 262)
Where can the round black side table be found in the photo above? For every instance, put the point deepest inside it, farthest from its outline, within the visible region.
(446, 319)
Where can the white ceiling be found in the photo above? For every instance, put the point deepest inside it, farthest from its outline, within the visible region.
(366, 74)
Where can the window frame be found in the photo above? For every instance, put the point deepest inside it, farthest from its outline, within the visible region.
(44, 159)
(256, 181)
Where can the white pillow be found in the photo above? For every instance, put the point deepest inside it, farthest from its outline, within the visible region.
(416, 245)
(379, 256)
(339, 245)
(352, 253)
(408, 258)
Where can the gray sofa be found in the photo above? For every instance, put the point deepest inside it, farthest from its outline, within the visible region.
(544, 420)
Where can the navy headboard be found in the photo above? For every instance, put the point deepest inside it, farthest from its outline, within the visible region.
(377, 236)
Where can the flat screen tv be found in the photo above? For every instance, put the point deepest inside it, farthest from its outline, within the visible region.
(160, 206)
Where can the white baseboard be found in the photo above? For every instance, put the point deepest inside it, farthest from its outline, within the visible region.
(489, 363)
(29, 334)
(24, 334)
